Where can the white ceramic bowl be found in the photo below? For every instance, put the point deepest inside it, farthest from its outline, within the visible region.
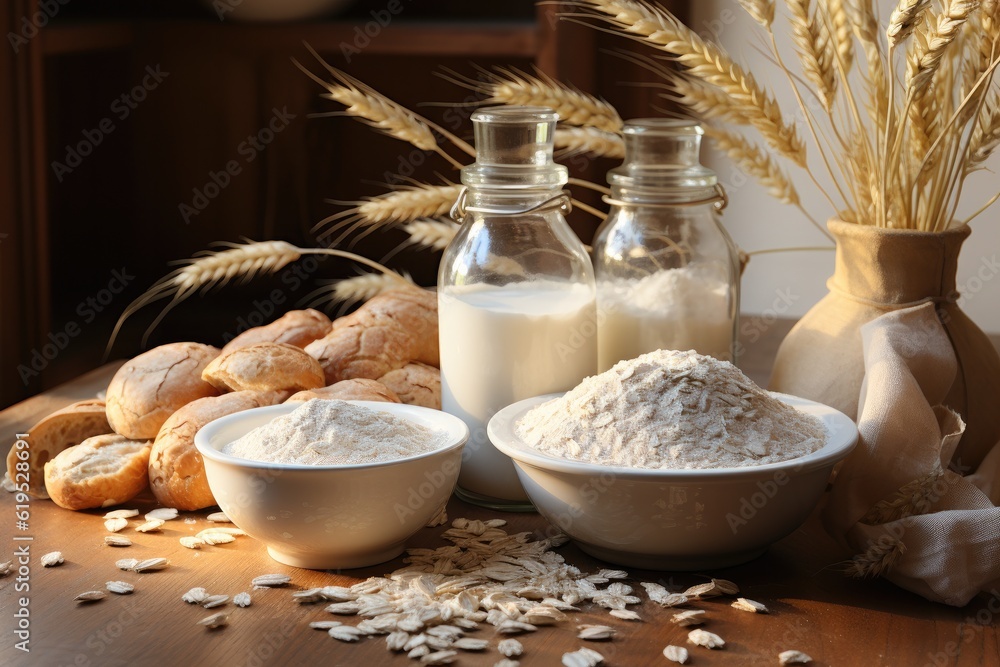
(674, 519)
(332, 517)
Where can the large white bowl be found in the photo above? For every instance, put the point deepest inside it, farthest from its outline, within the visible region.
(332, 517)
(674, 519)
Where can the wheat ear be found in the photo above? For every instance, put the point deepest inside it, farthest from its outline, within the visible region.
(379, 111)
(658, 28)
(985, 136)
(590, 141)
(912, 498)
(866, 30)
(755, 162)
(941, 35)
(836, 12)
(212, 269)
(878, 559)
(511, 86)
(359, 288)
(761, 11)
(404, 204)
(814, 45)
(904, 19)
(433, 234)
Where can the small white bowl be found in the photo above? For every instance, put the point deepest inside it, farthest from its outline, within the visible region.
(675, 519)
(332, 517)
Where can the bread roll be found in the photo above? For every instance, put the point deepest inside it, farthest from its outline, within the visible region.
(349, 390)
(148, 389)
(176, 471)
(53, 434)
(101, 471)
(264, 367)
(296, 327)
(389, 331)
(415, 384)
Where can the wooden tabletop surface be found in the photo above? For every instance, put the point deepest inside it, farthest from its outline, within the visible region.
(813, 607)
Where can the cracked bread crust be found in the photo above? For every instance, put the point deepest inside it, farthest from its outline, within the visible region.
(264, 367)
(389, 331)
(176, 470)
(296, 327)
(349, 390)
(152, 386)
(101, 471)
(415, 384)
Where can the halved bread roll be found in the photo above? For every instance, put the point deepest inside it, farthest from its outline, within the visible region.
(101, 471)
(53, 434)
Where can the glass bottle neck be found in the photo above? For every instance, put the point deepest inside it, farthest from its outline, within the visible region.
(664, 196)
(510, 200)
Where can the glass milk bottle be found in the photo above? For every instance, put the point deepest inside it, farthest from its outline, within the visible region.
(667, 272)
(516, 297)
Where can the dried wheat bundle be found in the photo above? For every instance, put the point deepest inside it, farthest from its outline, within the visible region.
(755, 162)
(211, 269)
(896, 157)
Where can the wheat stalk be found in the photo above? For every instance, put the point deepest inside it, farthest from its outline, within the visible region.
(815, 49)
(755, 162)
(658, 28)
(590, 141)
(511, 86)
(761, 11)
(433, 234)
(866, 29)
(878, 559)
(213, 269)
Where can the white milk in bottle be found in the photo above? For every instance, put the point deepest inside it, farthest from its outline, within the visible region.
(516, 294)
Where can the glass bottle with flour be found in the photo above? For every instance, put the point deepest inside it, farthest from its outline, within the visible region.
(516, 294)
(667, 272)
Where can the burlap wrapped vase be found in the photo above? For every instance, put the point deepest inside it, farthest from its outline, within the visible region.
(878, 271)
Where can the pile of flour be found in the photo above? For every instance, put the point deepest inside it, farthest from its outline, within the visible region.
(331, 432)
(671, 410)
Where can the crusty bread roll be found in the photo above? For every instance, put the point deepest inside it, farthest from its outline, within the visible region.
(149, 388)
(101, 471)
(176, 471)
(50, 436)
(391, 330)
(296, 327)
(415, 384)
(264, 367)
(349, 390)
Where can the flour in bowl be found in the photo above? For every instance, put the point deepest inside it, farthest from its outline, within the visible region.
(671, 410)
(331, 432)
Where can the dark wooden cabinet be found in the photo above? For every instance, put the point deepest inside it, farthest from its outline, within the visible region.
(120, 119)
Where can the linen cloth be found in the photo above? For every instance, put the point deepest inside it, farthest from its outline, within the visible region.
(902, 500)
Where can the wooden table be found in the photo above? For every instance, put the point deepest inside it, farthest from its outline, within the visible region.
(814, 607)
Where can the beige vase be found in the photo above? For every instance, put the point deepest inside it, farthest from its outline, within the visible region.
(877, 271)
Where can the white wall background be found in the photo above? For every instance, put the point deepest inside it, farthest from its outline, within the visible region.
(792, 282)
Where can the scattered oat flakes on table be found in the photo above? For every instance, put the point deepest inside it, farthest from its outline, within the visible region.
(90, 596)
(706, 639)
(52, 559)
(121, 514)
(115, 524)
(793, 658)
(678, 654)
